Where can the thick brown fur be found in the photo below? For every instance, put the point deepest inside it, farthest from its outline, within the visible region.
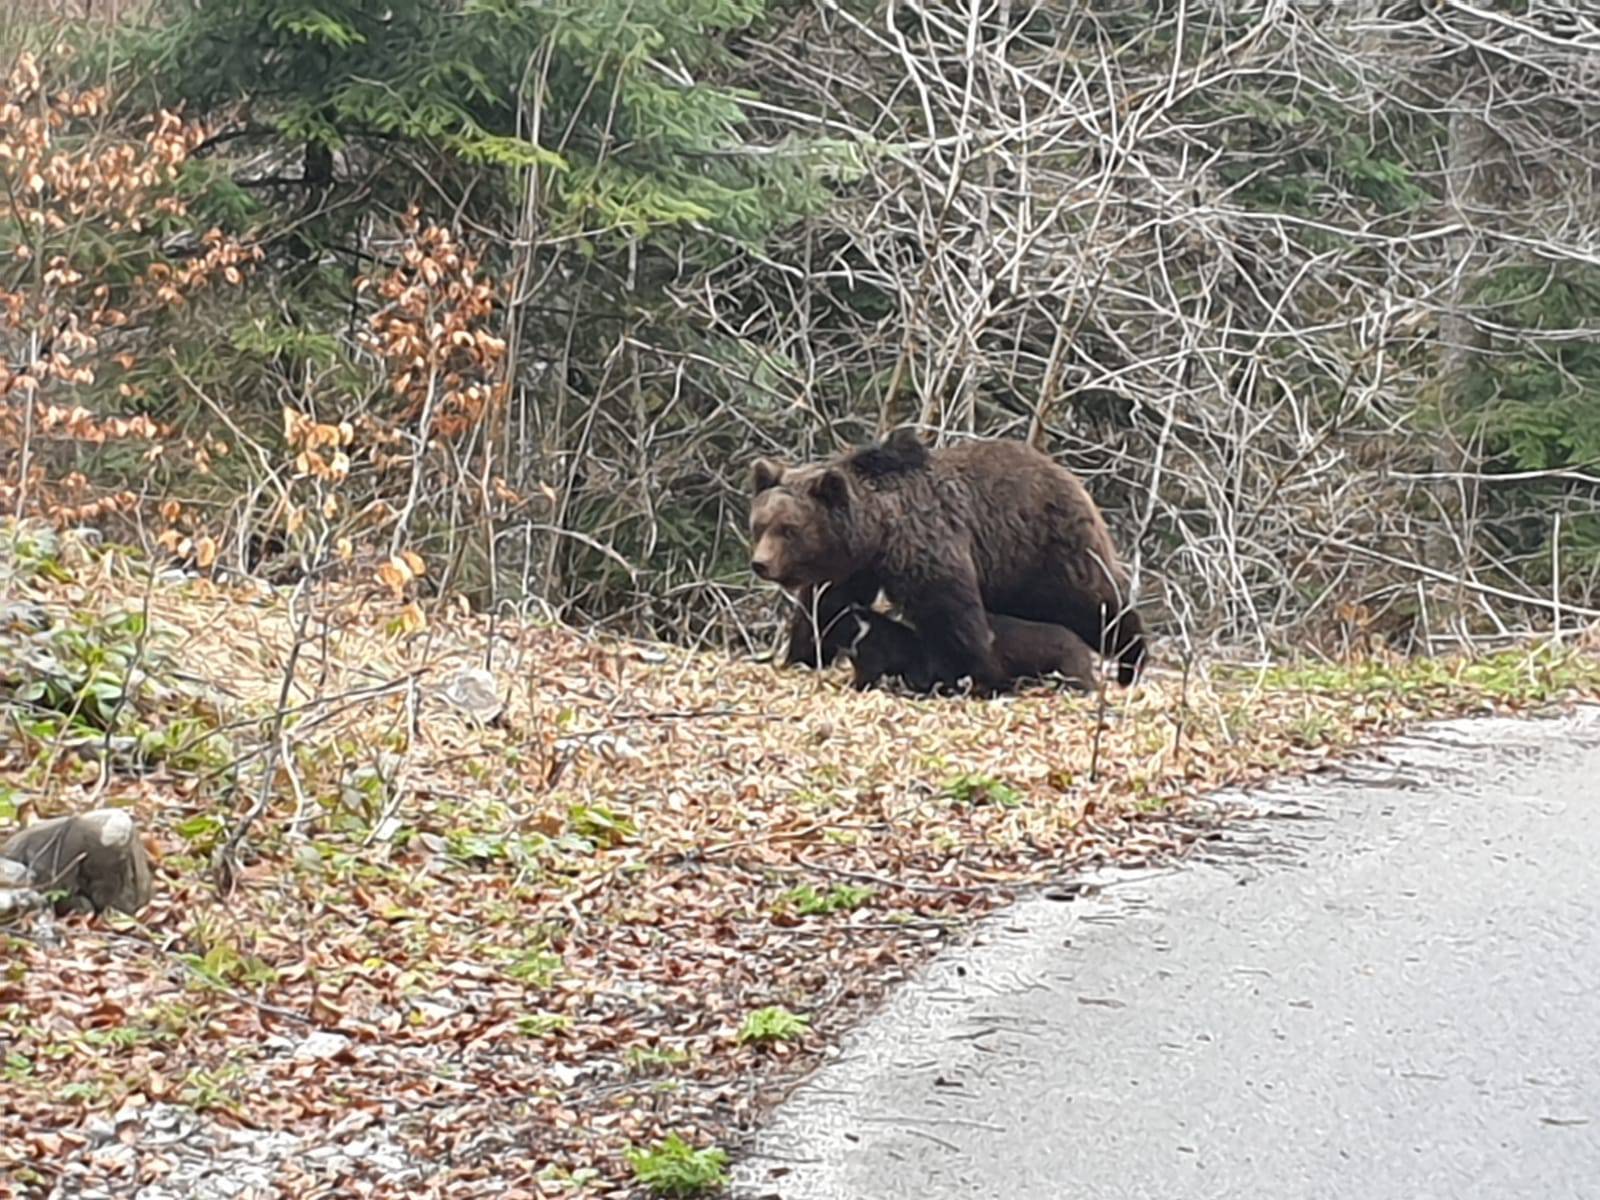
(884, 647)
(950, 536)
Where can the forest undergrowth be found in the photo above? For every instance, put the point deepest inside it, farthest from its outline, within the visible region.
(576, 949)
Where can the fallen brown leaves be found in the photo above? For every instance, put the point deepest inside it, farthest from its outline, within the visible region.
(470, 961)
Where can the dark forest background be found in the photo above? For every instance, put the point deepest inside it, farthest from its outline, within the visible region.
(1309, 293)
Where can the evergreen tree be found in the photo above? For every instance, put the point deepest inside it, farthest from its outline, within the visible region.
(598, 150)
(615, 105)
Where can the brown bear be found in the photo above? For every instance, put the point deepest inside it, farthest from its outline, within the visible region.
(884, 646)
(950, 536)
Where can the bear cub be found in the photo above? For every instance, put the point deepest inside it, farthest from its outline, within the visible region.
(953, 537)
(882, 646)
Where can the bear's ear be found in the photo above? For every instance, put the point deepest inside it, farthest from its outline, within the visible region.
(764, 474)
(831, 488)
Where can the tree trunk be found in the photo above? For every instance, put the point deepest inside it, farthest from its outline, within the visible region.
(1470, 199)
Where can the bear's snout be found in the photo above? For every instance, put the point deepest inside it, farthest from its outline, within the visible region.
(761, 567)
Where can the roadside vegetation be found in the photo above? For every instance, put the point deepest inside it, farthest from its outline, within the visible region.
(607, 927)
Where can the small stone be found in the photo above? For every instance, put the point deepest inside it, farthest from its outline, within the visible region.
(473, 690)
(14, 874)
(17, 893)
(323, 1044)
(164, 1118)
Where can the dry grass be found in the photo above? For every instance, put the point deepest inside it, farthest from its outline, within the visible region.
(545, 935)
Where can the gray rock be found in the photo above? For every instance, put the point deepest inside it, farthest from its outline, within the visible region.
(95, 858)
(14, 874)
(17, 893)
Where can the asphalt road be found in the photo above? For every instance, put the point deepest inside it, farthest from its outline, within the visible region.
(1395, 995)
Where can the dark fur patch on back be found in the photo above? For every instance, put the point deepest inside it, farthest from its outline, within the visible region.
(901, 453)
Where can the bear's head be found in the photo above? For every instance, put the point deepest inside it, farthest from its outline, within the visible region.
(800, 526)
(882, 646)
